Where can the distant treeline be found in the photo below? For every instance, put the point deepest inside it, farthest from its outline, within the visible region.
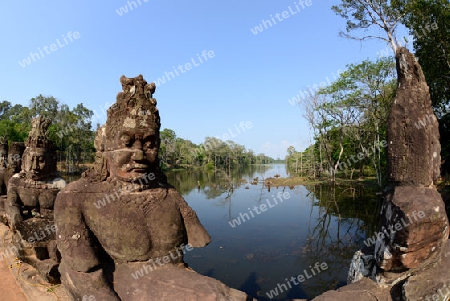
(72, 133)
(213, 153)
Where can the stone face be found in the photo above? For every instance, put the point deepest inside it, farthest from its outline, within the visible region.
(30, 200)
(122, 215)
(413, 135)
(32, 192)
(15, 152)
(10, 161)
(415, 225)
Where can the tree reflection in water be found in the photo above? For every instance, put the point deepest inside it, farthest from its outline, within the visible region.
(320, 223)
(345, 216)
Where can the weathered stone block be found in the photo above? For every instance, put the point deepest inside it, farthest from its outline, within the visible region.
(415, 225)
(432, 283)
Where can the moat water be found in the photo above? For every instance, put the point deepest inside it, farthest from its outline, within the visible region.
(283, 233)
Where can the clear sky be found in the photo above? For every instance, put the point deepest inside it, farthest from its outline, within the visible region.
(241, 77)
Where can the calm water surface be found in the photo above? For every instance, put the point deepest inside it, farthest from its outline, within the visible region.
(321, 224)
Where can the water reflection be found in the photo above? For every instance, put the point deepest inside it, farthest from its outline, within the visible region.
(319, 223)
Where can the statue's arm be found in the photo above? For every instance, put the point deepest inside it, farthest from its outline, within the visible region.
(80, 267)
(14, 205)
(196, 233)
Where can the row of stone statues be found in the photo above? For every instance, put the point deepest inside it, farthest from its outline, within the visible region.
(97, 250)
(10, 161)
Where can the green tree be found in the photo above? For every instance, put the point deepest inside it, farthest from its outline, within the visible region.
(368, 87)
(44, 106)
(5, 106)
(369, 14)
(167, 151)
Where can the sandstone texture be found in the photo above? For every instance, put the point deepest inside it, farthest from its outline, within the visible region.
(417, 226)
(30, 199)
(409, 261)
(122, 230)
(413, 153)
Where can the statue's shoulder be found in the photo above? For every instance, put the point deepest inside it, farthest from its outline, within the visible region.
(16, 180)
(83, 185)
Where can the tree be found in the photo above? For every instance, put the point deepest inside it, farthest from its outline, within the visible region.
(5, 106)
(368, 87)
(330, 116)
(365, 14)
(168, 146)
(44, 106)
(15, 122)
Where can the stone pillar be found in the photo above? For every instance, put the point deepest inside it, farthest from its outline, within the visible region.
(413, 216)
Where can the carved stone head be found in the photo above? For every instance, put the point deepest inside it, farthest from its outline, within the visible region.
(3, 152)
(130, 138)
(15, 153)
(39, 157)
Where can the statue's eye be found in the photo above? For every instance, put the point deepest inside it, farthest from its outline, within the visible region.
(147, 145)
(125, 140)
(41, 159)
(150, 143)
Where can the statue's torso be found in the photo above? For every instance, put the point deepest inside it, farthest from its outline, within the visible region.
(33, 194)
(133, 226)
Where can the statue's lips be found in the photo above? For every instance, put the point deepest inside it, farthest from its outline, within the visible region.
(137, 168)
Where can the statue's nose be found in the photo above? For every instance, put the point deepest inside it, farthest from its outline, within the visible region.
(35, 164)
(138, 153)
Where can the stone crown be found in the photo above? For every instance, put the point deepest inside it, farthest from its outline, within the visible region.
(135, 108)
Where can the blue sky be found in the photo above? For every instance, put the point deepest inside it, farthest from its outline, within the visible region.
(249, 78)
